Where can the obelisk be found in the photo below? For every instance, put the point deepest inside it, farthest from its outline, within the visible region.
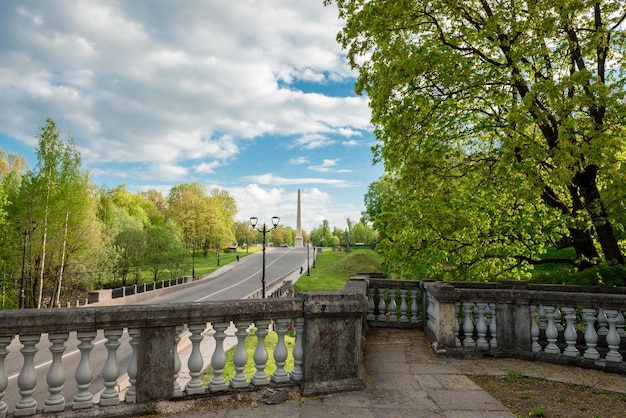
(299, 241)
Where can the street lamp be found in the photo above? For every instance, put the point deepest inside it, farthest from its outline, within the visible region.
(254, 221)
(27, 231)
(218, 253)
(308, 265)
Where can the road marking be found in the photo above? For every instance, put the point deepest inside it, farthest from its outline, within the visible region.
(238, 283)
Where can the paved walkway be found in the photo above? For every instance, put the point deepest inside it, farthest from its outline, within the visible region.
(405, 379)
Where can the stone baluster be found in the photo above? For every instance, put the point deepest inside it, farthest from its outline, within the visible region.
(457, 326)
(27, 378)
(430, 312)
(570, 333)
(83, 375)
(534, 330)
(298, 351)
(370, 304)
(393, 307)
(218, 360)
(280, 352)
(602, 323)
(481, 326)
(612, 337)
(4, 379)
(55, 377)
(493, 342)
(195, 363)
(240, 358)
(260, 378)
(131, 393)
(403, 307)
(558, 316)
(551, 332)
(414, 307)
(620, 324)
(591, 336)
(381, 305)
(468, 325)
(111, 368)
(543, 322)
(177, 390)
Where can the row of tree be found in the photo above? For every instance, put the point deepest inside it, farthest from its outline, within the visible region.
(64, 235)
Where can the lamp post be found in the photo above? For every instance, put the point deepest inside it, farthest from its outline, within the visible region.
(27, 231)
(218, 253)
(254, 221)
(308, 265)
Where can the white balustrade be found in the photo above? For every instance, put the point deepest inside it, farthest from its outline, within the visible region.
(403, 307)
(534, 329)
(602, 323)
(218, 360)
(551, 332)
(111, 368)
(468, 324)
(414, 307)
(393, 308)
(83, 375)
(298, 351)
(55, 377)
(612, 337)
(481, 326)
(240, 358)
(260, 356)
(4, 380)
(195, 362)
(570, 333)
(591, 336)
(177, 390)
(131, 394)
(280, 352)
(382, 315)
(27, 379)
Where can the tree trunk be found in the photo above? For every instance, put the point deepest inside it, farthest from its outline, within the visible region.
(587, 185)
(57, 294)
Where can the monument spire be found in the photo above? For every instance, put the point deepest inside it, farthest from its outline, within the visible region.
(299, 241)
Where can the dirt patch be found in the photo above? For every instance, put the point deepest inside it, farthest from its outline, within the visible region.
(531, 397)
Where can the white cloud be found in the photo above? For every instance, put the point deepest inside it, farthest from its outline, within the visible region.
(283, 181)
(298, 161)
(328, 166)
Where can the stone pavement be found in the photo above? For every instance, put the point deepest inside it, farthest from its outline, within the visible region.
(406, 379)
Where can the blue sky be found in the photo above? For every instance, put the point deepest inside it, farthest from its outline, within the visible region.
(253, 97)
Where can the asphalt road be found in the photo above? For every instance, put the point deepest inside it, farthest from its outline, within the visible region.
(234, 281)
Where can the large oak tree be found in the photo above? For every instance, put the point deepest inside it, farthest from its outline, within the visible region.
(501, 127)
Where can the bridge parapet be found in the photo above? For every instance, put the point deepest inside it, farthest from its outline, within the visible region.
(152, 333)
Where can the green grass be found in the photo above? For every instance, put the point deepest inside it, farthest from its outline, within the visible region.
(207, 265)
(333, 269)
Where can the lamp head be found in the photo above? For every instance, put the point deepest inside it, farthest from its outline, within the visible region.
(254, 221)
(275, 220)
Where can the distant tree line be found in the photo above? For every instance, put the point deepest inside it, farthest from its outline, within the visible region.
(65, 235)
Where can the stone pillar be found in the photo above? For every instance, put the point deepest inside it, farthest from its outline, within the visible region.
(332, 340)
(299, 241)
(513, 326)
(155, 363)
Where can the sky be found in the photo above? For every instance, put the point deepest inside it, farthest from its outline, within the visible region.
(253, 97)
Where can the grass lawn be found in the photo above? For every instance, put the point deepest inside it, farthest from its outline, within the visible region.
(333, 269)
